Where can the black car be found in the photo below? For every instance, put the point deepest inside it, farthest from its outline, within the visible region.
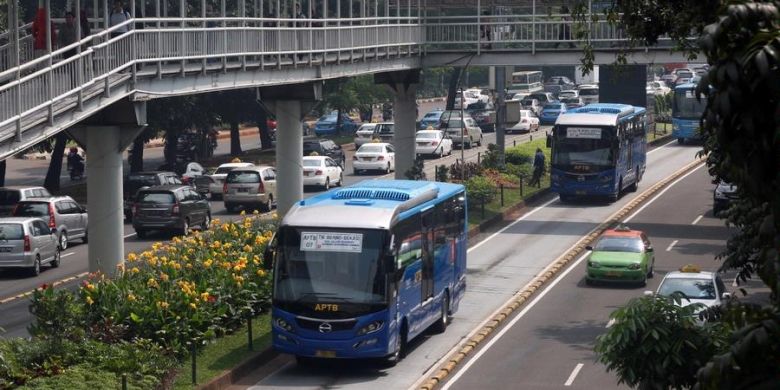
(484, 115)
(324, 147)
(137, 180)
(174, 208)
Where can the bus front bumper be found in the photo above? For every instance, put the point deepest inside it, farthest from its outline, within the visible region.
(590, 189)
(369, 346)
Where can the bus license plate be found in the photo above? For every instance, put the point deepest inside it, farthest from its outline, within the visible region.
(324, 354)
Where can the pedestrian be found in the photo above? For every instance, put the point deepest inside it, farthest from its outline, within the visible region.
(536, 179)
(86, 30)
(118, 16)
(564, 32)
(67, 34)
(485, 30)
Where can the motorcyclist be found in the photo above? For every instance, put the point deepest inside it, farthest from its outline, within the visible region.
(75, 162)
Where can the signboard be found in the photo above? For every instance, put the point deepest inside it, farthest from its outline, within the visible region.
(331, 242)
(583, 132)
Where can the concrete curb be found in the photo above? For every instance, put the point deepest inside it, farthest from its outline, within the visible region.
(228, 377)
(470, 344)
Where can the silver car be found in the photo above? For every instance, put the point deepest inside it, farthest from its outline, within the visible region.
(28, 243)
(62, 214)
(253, 186)
(11, 195)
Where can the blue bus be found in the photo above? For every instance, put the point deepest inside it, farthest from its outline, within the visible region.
(361, 270)
(598, 150)
(686, 112)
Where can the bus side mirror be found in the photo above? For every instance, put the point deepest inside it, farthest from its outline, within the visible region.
(269, 254)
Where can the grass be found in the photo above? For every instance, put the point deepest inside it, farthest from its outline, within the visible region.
(225, 353)
(661, 130)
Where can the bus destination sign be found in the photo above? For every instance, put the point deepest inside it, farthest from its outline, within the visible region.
(583, 132)
(332, 242)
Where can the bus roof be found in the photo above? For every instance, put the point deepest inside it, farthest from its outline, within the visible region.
(598, 114)
(369, 204)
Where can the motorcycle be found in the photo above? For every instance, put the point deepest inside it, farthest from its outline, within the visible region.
(77, 171)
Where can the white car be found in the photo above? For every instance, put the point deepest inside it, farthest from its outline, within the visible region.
(471, 97)
(471, 133)
(570, 93)
(218, 177)
(322, 171)
(365, 134)
(528, 122)
(375, 157)
(694, 286)
(589, 93)
(433, 142)
(657, 88)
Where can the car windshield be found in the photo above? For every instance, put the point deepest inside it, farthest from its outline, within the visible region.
(243, 177)
(589, 92)
(11, 231)
(312, 163)
(371, 149)
(583, 151)
(686, 106)
(328, 118)
(427, 135)
(142, 180)
(432, 115)
(570, 100)
(685, 75)
(367, 128)
(326, 265)
(158, 197)
(619, 244)
(223, 170)
(692, 288)
(552, 107)
(9, 197)
(453, 124)
(32, 209)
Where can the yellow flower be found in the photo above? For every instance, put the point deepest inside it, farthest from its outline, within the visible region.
(156, 246)
(89, 300)
(152, 261)
(187, 266)
(247, 248)
(204, 296)
(193, 306)
(208, 263)
(162, 305)
(152, 283)
(177, 266)
(225, 228)
(131, 257)
(90, 287)
(243, 212)
(255, 212)
(164, 277)
(131, 297)
(135, 270)
(260, 273)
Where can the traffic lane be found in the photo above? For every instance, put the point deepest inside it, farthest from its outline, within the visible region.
(557, 336)
(498, 268)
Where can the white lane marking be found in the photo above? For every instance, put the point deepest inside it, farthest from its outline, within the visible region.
(545, 291)
(658, 195)
(67, 254)
(524, 216)
(514, 321)
(669, 248)
(695, 221)
(129, 235)
(661, 147)
(573, 375)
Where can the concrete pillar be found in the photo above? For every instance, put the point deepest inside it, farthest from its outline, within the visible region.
(405, 119)
(500, 95)
(289, 155)
(104, 198)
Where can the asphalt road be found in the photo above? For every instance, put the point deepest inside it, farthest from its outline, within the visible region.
(499, 265)
(14, 312)
(551, 345)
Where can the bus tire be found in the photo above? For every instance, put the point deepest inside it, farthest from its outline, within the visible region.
(400, 352)
(635, 185)
(681, 141)
(444, 319)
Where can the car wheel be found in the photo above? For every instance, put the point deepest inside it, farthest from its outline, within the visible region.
(64, 240)
(341, 179)
(480, 141)
(35, 270)
(185, 229)
(387, 170)
(327, 184)
(441, 152)
(651, 272)
(140, 233)
(55, 262)
(266, 207)
(206, 222)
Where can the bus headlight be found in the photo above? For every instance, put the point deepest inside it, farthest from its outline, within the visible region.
(370, 328)
(283, 324)
(607, 178)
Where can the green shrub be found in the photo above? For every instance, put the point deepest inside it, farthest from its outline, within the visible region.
(519, 170)
(442, 173)
(490, 158)
(480, 189)
(517, 157)
(85, 377)
(470, 169)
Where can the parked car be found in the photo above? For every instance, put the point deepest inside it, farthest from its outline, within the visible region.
(542, 97)
(589, 93)
(218, 177)
(532, 105)
(528, 122)
(463, 132)
(62, 213)
(724, 194)
(28, 243)
(374, 157)
(11, 195)
(250, 187)
(431, 119)
(324, 147)
(551, 112)
(326, 125)
(322, 171)
(172, 208)
(433, 142)
(569, 93)
(572, 102)
(137, 180)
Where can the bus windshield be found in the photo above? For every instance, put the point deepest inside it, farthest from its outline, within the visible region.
(330, 265)
(570, 150)
(686, 106)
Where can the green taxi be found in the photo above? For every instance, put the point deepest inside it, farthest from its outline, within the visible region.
(621, 255)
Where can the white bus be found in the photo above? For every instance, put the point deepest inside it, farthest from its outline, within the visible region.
(526, 82)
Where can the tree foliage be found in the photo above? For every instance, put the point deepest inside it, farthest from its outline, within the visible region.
(741, 130)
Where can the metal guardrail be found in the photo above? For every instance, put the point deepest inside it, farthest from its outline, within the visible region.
(8, 50)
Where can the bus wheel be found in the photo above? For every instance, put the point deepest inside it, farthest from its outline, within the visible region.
(444, 319)
(681, 141)
(400, 352)
(635, 185)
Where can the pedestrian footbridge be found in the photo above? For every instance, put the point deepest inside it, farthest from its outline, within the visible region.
(180, 47)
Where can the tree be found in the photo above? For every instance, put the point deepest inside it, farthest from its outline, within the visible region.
(261, 119)
(741, 132)
(346, 95)
(175, 115)
(234, 107)
(135, 155)
(52, 180)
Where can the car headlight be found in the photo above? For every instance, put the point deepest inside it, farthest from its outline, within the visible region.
(283, 324)
(370, 328)
(593, 264)
(635, 266)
